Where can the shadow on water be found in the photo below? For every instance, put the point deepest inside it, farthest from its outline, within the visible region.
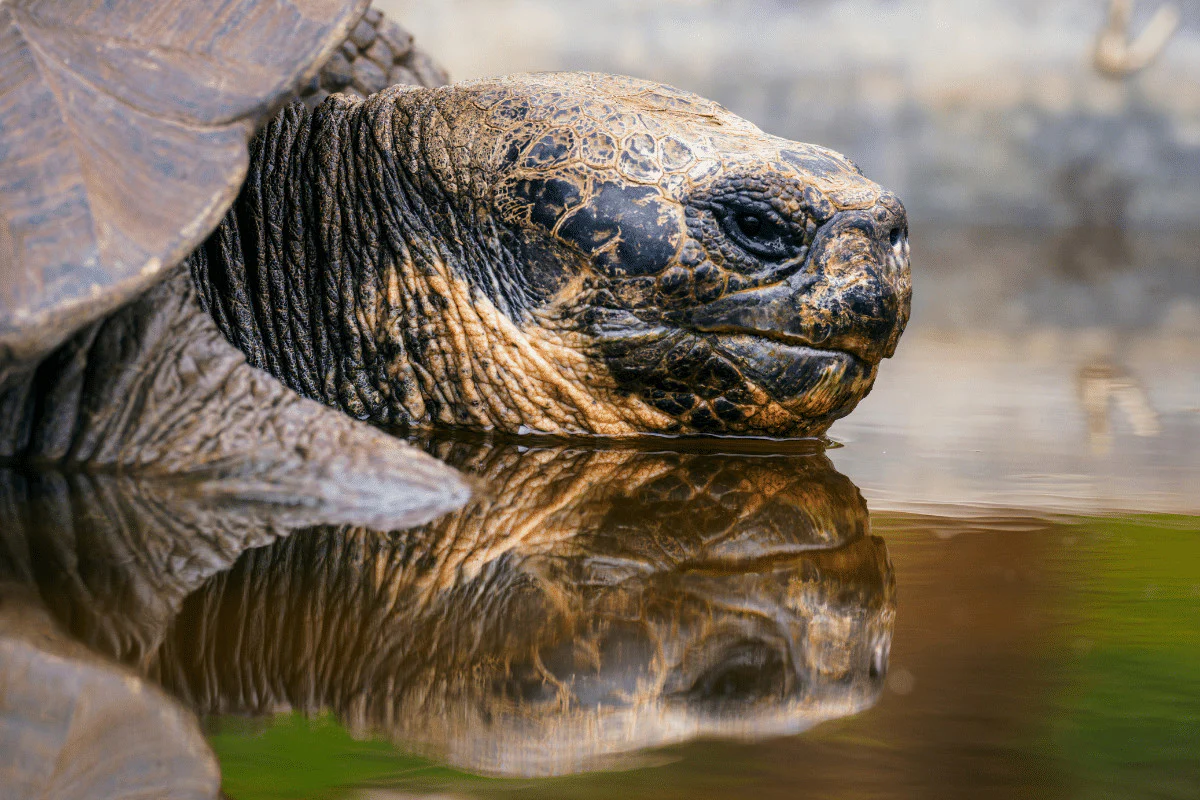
(588, 604)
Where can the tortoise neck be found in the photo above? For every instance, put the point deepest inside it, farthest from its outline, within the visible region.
(359, 265)
(335, 258)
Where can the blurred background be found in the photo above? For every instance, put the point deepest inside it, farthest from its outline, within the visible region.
(1049, 158)
(1028, 458)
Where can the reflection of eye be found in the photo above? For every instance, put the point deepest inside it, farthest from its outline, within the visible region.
(761, 233)
(746, 673)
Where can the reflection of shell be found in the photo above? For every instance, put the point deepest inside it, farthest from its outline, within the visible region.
(77, 727)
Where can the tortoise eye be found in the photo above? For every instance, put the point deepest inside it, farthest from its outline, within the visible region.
(761, 233)
(749, 224)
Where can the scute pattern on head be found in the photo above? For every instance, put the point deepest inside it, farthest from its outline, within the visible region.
(561, 141)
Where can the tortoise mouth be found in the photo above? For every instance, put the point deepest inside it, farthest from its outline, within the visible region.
(849, 297)
(799, 343)
(818, 383)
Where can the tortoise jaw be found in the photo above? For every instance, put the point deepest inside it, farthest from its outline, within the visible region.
(818, 341)
(781, 314)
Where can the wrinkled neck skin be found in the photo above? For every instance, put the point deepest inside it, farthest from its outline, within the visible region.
(359, 266)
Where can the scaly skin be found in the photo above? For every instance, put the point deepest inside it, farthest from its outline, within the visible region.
(155, 390)
(569, 253)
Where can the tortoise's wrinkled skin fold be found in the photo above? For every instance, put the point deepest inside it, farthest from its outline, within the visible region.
(154, 389)
(570, 253)
(587, 604)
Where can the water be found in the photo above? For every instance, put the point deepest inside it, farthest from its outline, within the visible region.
(1027, 658)
(984, 586)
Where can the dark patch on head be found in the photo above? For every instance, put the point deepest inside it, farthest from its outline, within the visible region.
(703, 420)
(686, 358)
(648, 232)
(715, 377)
(674, 403)
(547, 199)
(545, 264)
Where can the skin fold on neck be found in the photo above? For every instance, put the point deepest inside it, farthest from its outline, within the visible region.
(357, 266)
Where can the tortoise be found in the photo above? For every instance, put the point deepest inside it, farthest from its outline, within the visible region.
(563, 253)
(598, 601)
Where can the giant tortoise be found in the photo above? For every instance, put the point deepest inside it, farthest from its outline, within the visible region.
(561, 253)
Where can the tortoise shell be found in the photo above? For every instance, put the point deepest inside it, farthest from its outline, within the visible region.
(123, 140)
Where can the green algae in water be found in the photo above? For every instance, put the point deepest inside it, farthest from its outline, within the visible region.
(1128, 720)
(293, 756)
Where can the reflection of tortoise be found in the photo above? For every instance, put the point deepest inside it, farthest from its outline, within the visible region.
(596, 602)
(564, 253)
(74, 726)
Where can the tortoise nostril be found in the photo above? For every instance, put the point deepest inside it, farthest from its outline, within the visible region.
(895, 235)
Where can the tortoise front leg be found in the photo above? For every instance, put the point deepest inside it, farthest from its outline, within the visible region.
(155, 389)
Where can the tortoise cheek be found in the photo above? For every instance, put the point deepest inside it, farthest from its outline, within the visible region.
(630, 231)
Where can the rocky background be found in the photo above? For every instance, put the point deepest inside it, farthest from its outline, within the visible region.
(976, 111)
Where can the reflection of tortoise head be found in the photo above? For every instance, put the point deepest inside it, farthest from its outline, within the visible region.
(641, 659)
(597, 602)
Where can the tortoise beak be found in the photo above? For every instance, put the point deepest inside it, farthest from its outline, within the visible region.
(852, 294)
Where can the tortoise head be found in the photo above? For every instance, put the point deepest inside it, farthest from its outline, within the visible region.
(686, 271)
